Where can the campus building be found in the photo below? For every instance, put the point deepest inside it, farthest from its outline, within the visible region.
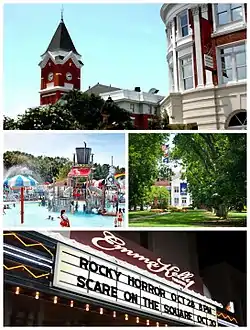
(143, 106)
(61, 72)
(180, 196)
(177, 186)
(178, 192)
(91, 279)
(206, 56)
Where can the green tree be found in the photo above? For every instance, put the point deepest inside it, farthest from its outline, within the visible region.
(64, 171)
(9, 123)
(41, 167)
(215, 168)
(74, 111)
(46, 168)
(100, 171)
(158, 197)
(145, 152)
(165, 172)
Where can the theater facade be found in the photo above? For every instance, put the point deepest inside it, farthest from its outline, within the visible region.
(52, 280)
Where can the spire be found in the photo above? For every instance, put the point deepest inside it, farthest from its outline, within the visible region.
(61, 39)
(62, 14)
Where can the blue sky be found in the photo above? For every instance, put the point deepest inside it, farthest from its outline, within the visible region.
(121, 44)
(63, 145)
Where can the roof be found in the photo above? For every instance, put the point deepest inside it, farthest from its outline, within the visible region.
(162, 183)
(79, 172)
(61, 40)
(99, 89)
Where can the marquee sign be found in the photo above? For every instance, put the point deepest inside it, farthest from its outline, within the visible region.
(122, 248)
(120, 284)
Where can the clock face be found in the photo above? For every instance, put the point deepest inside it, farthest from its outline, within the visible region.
(50, 76)
(68, 76)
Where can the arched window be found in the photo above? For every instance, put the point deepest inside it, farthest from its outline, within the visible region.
(237, 120)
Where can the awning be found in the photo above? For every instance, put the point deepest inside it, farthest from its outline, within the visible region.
(79, 172)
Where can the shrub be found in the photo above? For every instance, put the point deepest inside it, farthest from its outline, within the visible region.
(157, 210)
(172, 208)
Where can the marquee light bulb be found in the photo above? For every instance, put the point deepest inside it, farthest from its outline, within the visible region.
(147, 322)
(55, 300)
(126, 317)
(71, 303)
(137, 319)
(114, 313)
(157, 324)
(101, 310)
(17, 290)
(87, 307)
(166, 325)
(37, 295)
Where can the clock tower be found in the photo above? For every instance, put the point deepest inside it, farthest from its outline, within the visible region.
(60, 67)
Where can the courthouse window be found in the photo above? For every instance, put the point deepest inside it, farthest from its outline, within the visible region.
(233, 63)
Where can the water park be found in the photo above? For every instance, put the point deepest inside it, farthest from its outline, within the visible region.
(77, 201)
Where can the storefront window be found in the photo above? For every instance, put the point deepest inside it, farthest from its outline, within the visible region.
(233, 63)
(227, 13)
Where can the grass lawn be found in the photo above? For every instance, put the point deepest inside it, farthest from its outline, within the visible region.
(193, 218)
(139, 214)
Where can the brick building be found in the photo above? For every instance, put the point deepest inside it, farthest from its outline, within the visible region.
(206, 55)
(60, 67)
(61, 72)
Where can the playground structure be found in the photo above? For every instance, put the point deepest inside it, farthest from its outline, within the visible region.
(96, 195)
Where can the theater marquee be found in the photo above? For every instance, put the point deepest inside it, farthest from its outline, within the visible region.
(109, 281)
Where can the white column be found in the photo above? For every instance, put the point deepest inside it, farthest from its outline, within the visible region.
(197, 40)
(209, 76)
(175, 64)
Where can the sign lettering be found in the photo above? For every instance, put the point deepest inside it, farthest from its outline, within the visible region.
(171, 272)
(85, 274)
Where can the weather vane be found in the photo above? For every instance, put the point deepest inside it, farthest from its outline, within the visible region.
(62, 13)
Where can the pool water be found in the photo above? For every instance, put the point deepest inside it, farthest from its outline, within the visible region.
(37, 216)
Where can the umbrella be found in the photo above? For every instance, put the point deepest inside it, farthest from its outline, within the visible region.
(22, 182)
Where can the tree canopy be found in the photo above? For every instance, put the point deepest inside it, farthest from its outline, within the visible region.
(158, 197)
(215, 168)
(74, 111)
(145, 152)
(44, 168)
